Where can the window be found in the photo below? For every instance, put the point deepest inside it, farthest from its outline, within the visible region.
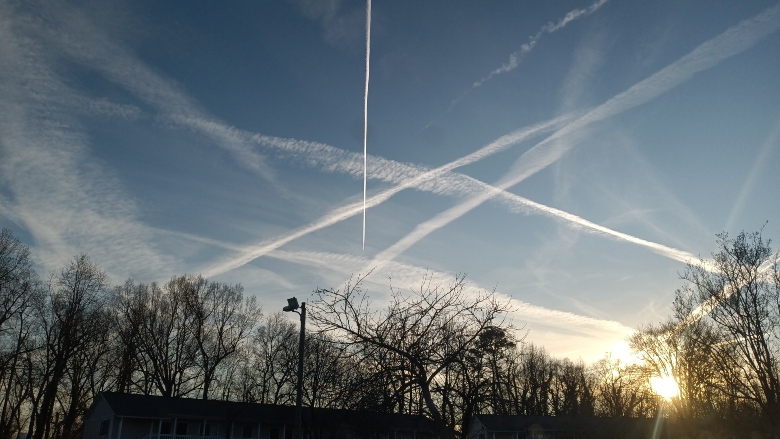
(206, 429)
(165, 427)
(273, 433)
(104, 424)
(246, 431)
(288, 432)
(181, 428)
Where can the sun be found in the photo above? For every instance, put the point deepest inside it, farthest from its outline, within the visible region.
(665, 386)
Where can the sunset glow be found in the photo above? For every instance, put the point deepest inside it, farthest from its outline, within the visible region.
(665, 386)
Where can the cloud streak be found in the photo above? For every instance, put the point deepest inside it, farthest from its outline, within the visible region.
(731, 42)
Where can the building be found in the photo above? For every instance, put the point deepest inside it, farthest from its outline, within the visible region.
(127, 416)
(563, 427)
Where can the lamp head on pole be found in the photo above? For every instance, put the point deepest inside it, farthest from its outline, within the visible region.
(292, 305)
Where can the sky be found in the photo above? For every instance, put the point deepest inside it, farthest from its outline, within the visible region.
(571, 156)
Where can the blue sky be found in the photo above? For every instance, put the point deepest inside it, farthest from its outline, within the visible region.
(572, 155)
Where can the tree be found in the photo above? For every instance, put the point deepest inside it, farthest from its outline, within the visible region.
(167, 347)
(129, 309)
(571, 389)
(19, 290)
(222, 322)
(418, 335)
(275, 352)
(623, 390)
(71, 318)
(17, 280)
(685, 353)
(741, 290)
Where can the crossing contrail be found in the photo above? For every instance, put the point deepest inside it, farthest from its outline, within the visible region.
(365, 116)
(341, 213)
(421, 179)
(181, 109)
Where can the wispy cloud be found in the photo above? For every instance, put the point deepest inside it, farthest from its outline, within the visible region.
(180, 109)
(405, 276)
(85, 43)
(734, 40)
(341, 25)
(68, 201)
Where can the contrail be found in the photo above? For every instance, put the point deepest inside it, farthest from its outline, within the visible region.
(705, 308)
(365, 116)
(734, 40)
(516, 57)
(515, 202)
(758, 164)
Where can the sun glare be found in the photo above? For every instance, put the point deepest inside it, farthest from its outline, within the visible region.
(665, 386)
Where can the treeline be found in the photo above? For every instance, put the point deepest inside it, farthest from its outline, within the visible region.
(438, 351)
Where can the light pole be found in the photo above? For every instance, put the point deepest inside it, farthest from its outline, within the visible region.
(292, 306)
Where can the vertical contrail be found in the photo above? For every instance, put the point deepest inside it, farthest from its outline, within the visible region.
(365, 117)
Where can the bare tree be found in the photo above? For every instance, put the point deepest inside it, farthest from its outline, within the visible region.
(222, 322)
(167, 346)
(685, 353)
(479, 381)
(742, 293)
(70, 316)
(571, 392)
(19, 289)
(623, 390)
(420, 333)
(17, 280)
(275, 353)
(536, 374)
(129, 311)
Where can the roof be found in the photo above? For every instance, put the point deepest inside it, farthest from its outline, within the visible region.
(515, 423)
(160, 407)
(519, 422)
